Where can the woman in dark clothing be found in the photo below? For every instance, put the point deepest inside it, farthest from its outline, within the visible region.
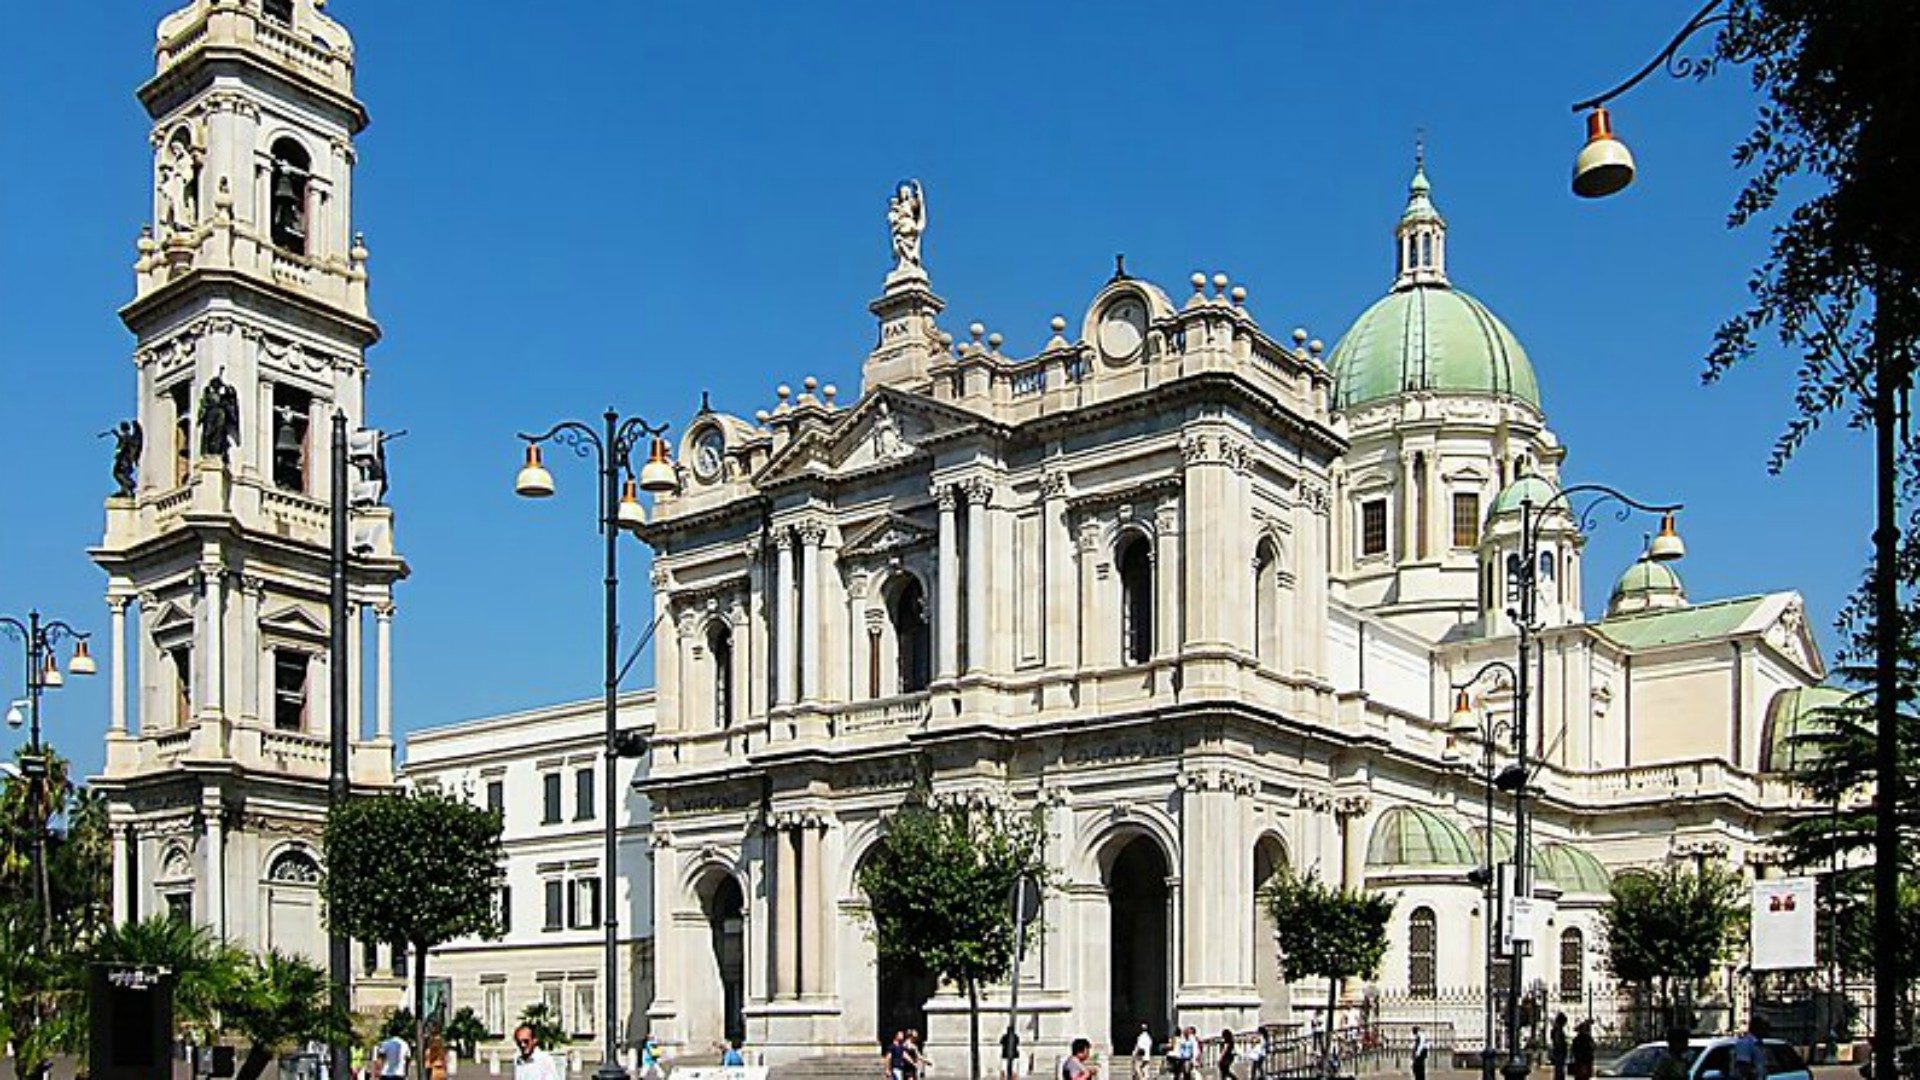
(1582, 1055)
(1227, 1055)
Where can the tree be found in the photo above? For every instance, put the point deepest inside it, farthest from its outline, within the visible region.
(1327, 933)
(208, 973)
(1675, 924)
(548, 1031)
(940, 885)
(422, 869)
(465, 1031)
(279, 1001)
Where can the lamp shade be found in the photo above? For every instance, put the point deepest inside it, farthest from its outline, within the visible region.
(657, 476)
(50, 676)
(1667, 546)
(1462, 709)
(631, 514)
(16, 717)
(1604, 165)
(534, 481)
(82, 663)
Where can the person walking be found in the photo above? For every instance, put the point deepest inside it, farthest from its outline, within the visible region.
(1582, 1050)
(433, 1056)
(1557, 1046)
(1228, 1054)
(896, 1056)
(650, 1060)
(530, 1062)
(731, 1057)
(1421, 1047)
(1142, 1050)
(1075, 1065)
(1173, 1055)
(393, 1054)
(1749, 1056)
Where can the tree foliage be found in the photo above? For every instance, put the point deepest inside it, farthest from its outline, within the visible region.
(422, 869)
(465, 1031)
(1674, 925)
(208, 973)
(940, 886)
(1326, 932)
(278, 1001)
(548, 1032)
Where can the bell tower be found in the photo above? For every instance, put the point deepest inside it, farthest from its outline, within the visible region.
(251, 326)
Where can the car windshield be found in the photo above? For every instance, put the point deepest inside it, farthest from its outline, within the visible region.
(1640, 1060)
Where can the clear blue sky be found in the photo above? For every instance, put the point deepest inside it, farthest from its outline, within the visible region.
(581, 204)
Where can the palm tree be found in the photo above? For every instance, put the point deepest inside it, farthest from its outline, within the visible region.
(207, 971)
(280, 1001)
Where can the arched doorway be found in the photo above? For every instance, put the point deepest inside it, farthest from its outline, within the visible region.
(1140, 920)
(725, 910)
(1269, 862)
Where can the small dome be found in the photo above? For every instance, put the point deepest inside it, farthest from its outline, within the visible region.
(1537, 490)
(1503, 852)
(1575, 870)
(1646, 586)
(1408, 836)
(1790, 715)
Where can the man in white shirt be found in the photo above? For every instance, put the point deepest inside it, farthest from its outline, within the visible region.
(1142, 1050)
(394, 1053)
(531, 1063)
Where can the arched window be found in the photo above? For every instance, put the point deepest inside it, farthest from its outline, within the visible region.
(913, 644)
(1426, 250)
(288, 218)
(1135, 560)
(1266, 603)
(1423, 944)
(720, 652)
(294, 867)
(1573, 964)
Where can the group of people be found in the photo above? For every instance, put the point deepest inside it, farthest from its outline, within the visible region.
(1573, 1055)
(905, 1060)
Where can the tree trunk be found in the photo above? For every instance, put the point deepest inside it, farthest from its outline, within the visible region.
(259, 1056)
(1326, 1042)
(420, 1008)
(973, 1027)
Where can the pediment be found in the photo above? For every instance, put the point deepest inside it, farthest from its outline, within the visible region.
(887, 427)
(294, 622)
(888, 534)
(170, 618)
(1790, 636)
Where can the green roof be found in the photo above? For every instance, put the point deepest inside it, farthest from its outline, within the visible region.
(1677, 626)
(1429, 337)
(1575, 869)
(1532, 488)
(1410, 836)
(1503, 850)
(1647, 576)
(1791, 714)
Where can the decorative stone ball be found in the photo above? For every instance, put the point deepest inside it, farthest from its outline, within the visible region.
(1058, 323)
(783, 391)
(1199, 280)
(994, 340)
(1239, 294)
(978, 330)
(1220, 282)
(1299, 335)
(946, 339)
(830, 391)
(762, 415)
(1316, 346)
(810, 384)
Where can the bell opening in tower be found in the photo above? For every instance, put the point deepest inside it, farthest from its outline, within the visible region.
(291, 172)
(292, 408)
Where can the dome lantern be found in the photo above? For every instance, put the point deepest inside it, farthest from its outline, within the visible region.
(1421, 238)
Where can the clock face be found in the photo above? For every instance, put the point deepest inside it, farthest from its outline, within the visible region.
(709, 454)
(1123, 328)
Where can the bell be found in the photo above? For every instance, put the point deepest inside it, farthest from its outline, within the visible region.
(534, 481)
(631, 515)
(1667, 546)
(285, 442)
(1604, 165)
(82, 661)
(657, 475)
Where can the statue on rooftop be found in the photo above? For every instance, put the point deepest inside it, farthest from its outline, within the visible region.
(907, 218)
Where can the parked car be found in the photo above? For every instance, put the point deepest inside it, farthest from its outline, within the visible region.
(1711, 1059)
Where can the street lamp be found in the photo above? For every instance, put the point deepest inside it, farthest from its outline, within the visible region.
(41, 640)
(1483, 725)
(1666, 547)
(619, 510)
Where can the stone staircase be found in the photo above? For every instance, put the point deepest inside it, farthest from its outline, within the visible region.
(831, 1067)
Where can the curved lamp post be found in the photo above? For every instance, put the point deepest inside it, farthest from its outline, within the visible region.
(1468, 720)
(612, 449)
(1515, 778)
(41, 639)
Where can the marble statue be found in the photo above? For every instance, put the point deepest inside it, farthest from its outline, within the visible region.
(219, 418)
(907, 217)
(179, 199)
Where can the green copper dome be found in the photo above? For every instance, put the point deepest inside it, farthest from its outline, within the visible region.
(1575, 870)
(1503, 851)
(1646, 585)
(1537, 490)
(1407, 836)
(1426, 335)
(1795, 713)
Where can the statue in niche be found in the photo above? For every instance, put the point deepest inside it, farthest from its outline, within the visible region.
(887, 443)
(128, 441)
(219, 418)
(907, 218)
(179, 188)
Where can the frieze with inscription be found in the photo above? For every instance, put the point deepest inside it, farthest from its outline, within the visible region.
(1131, 748)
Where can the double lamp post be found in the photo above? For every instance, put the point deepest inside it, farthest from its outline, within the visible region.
(41, 639)
(1523, 587)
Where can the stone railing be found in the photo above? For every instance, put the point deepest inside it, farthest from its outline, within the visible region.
(295, 511)
(172, 504)
(293, 748)
(172, 744)
(905, 710)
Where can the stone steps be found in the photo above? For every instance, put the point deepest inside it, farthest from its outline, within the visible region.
(831, 1067)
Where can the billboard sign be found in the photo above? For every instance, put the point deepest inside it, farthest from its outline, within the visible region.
(1784, 924)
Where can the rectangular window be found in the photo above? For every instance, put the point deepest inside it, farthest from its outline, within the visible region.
(550, 996)
(182, 434)
(583, 904)
(583, 1010)
(503, 908)
(1373, 527)
(494, 1008)
(180, 907)
(1466, 519)
(289, 690)
(550, 800)
(369, 958)
(399, 968)
(583, 795)
(183, 686)
(291, 411)
(556, 896)
(497, 796)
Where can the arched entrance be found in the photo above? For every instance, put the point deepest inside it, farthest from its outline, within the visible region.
(1269, 862)
(725, 909)
(1140, 921)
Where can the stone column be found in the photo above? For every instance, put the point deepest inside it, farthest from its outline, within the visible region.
(1351, 811)
(787, 630)
(786, 912)
(1405, 533)
(1057, 602)
(979, 490)
(117, 671)
(811, 925)
(383, 673)
(207, 690)
(125, 850)
(216, 860)
(948, 632)
(666, 654)
(811, 534)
